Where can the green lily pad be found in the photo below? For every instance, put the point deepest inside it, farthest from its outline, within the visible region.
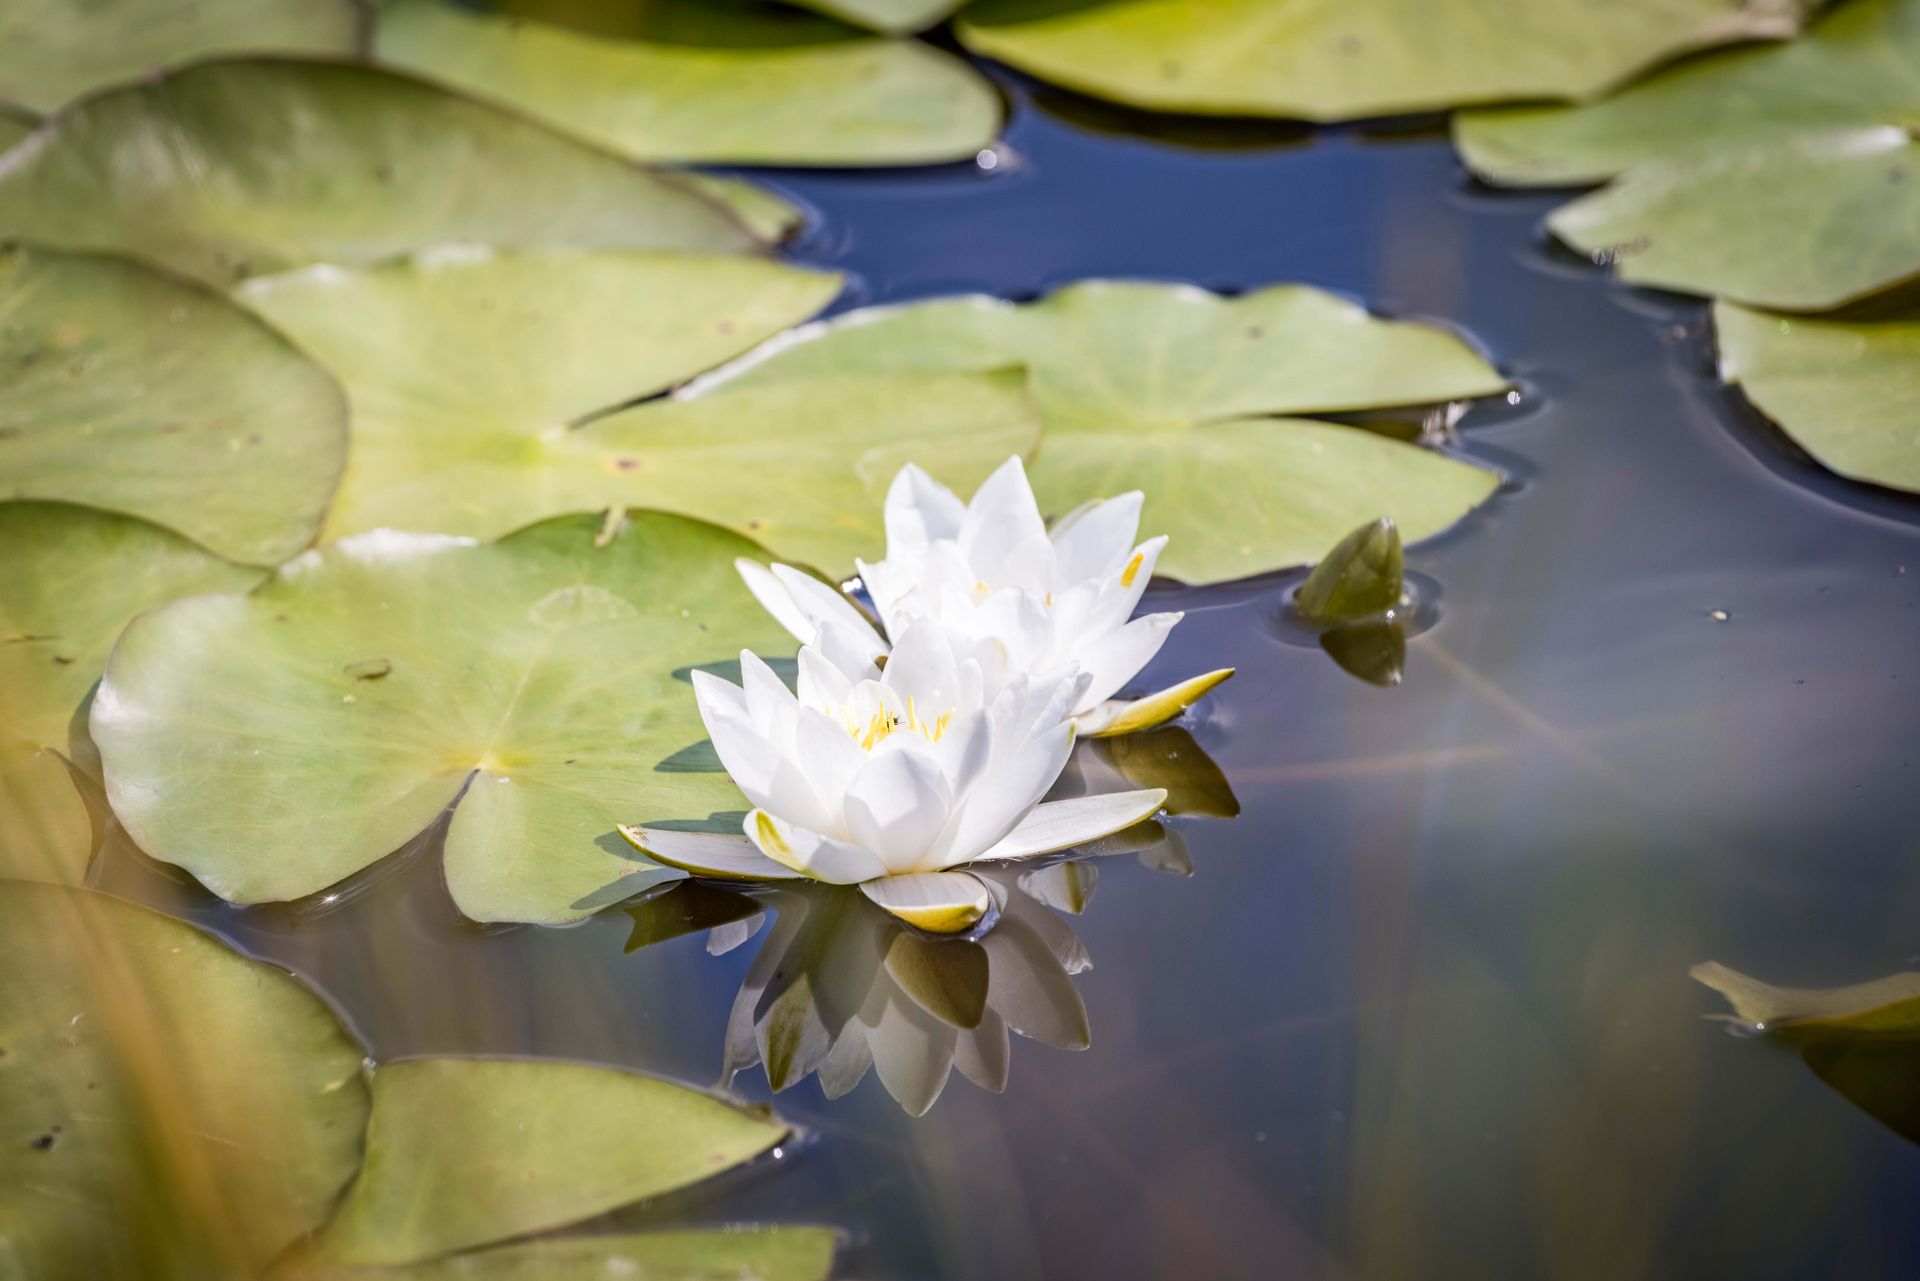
(760, 1253)
(1808, 223)
(216, 426)
(73, 579)
(468, 374)
(1157, 388)
(896, 17)
(462, 1152)
(1844, 390)
(764, 214)
(13, 129)
(52, 51)
(854, 101)
(1857, 66)
(210, 1105)
(1353, 58)
(275, 743)
(1883, 1008)
(232, 169)
(45, 831)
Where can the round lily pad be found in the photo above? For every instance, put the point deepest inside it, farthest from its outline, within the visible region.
(1844, 390)
(216, 426)
(858, 100)
(208, 1106)
(1167, 389)
(231, 169)
(1343, 59)
(276, 742)
(761, 1253)
(482, 383)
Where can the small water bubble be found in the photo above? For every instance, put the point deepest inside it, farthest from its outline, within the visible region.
(1513, 397)
(987, 158)
(1719, 615)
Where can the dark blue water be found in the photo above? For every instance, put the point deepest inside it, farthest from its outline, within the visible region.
(1422, 1008)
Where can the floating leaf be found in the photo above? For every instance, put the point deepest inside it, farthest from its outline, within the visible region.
(852, 101)
(52, 51)
(898, 17)
(1885, 1008)
(759, 1253)
(1154, 387)
(12, 130)
(1322, 61)
(531, 680)
(232, 169)
(489, 436)
(1845, 391)
(215, 425)
(73, 579)
(462, 1152)
(1809, 223)
(764, 214)
(170, 1108)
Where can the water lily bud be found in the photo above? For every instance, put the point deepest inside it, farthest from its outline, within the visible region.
(1362, 576)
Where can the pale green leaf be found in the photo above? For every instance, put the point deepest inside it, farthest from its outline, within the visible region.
(170, 1109)
(45, 831)
(765, 214)
(13, 129)
(732, 1254)
(1885, 1008)
(901, 17)
(275, 743)
(1154, 387)
(1844, 390)
(52, 51)
(462, 1152)
(216, 426)
(1808, 223)
(860, 100)
(232, 169)
(1341, 59)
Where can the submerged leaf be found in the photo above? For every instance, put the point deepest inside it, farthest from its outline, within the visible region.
(852, 101)
(1157, 387)
(170, 1108)
(1887, 1008)
(533, 680)
(215, 426)
(1362, 576)
(462, 1152)
(231, 169)
(1844, 390)
(1317, 60)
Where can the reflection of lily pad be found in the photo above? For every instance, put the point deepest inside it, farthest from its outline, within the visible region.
(215, 426)
(466, 373)
(1341, 59)
(209, 1106)
(760, 1253)
(1166, 389)
(1845, 391)
(52, 51)
(854, 101)
(461, 1152)
(231, 169)
(45, 831)
(275, 743)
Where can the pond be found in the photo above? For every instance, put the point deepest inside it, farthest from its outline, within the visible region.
(1422, 1005)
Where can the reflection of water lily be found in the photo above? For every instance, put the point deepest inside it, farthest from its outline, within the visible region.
(893, 779)
(992, 569)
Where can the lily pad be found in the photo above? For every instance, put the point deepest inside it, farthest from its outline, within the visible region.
(897, 17)
(1343, 59)
(216, 426)
(214, 1149)
(462, 1152)
(231, 169)
(512, 423)
(1844, 390)
(1166, 388)
(13, 129)
(760, 1253)
(73, 580)
(277, 742)
(859, 100)
(52, 51)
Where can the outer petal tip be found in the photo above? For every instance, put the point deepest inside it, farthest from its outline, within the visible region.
(938, 902)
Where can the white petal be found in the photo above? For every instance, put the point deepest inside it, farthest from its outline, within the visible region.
(821, 604)
(919, 510)
(1117, 657)
(832, 760)
(898, 803)
(775, 599)
(767, 695)
(1001, 517)
(749, 759)
(1093, 541)
(1115, 717)
(964, 750)
(810, 853)
(1020, 773)
(940, 902)
(1120, 593)
(854, 652)
(1059, 825)
(822, 684)
(718, 855)
(922, 667)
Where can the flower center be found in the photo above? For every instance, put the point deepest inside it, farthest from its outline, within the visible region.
(883, 724)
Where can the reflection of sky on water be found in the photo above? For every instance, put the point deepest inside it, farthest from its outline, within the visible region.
(1422, 1010)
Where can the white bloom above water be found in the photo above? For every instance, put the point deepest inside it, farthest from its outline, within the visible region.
(1033, 600)
(894, 778)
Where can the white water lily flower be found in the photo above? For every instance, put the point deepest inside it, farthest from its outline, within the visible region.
(894, 779)
(992, 569)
